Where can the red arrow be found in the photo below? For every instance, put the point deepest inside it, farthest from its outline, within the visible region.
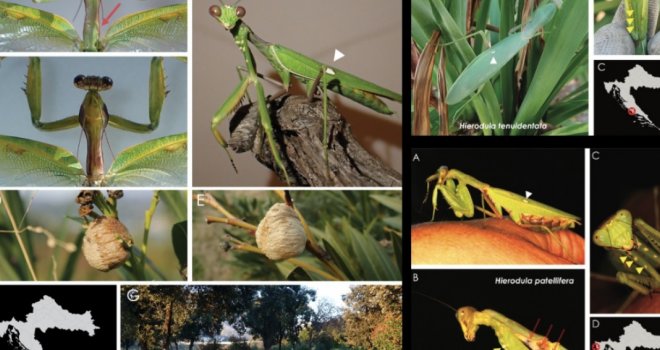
(107, 19)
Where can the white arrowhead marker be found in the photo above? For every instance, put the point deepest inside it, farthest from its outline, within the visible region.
(528, 194)
(338, 55)
(493, 61)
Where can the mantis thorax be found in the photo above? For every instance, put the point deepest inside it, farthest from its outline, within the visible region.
(93, 119)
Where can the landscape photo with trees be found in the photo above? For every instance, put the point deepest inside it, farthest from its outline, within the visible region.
(317, 316)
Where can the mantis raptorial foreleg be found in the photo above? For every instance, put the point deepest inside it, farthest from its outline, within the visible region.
(157, 94)
(638, 247)
(33, 93)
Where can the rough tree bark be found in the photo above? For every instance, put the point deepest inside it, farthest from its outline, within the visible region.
(167, 324)
(298, 126)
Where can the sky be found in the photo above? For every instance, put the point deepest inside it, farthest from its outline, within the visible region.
(331, 291)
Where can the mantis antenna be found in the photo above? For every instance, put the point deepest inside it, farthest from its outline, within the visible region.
(437, 300)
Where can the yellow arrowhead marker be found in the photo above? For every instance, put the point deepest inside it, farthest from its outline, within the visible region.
(630, 13)
(623, 259)
(629, 263)
(639, 270)
(630, 29)
(630, 21)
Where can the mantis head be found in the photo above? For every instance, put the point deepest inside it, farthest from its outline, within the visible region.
(442, 173)
(616, 232)
(465, 316)
(92, 83)
(227, 15)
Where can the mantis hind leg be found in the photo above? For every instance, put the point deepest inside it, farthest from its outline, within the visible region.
(311, 86)
(33, 93)
(264, 117)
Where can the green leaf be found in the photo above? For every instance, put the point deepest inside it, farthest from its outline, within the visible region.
(566, 35)
(291, 271)
(393, 203)
(338, 247)
(581, 129)
(298, 274)
(180, 243)
(374, 262)
(485, 103)
(397, 244)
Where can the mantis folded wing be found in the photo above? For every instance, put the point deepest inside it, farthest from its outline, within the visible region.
(24, 28)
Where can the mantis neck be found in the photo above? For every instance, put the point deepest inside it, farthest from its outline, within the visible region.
(243, 33)
(93, 119)
(92, 26)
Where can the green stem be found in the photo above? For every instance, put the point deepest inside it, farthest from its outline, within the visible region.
(230, 221)
(148, 215)
(106, 208)
(26, 257)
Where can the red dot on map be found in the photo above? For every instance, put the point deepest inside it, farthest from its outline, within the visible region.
(632, 111)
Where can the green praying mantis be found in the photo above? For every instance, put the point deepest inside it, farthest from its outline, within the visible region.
(490, 62)
(638, 246)
(287, 63)
(24, 28)
(510, 334)
(452, 184)
(161, 161)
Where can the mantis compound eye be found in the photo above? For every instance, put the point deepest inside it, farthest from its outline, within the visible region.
(78, 80)
(240, 11)
(106, 82)
(215, 11)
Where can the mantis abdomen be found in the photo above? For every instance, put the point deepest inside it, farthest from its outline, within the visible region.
(526, 211)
